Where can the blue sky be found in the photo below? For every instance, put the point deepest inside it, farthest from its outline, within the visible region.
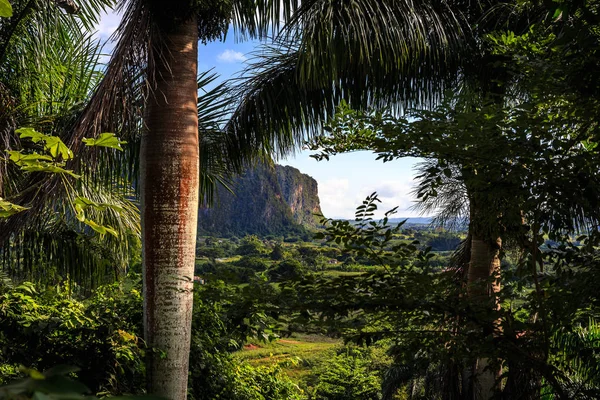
(346, 179)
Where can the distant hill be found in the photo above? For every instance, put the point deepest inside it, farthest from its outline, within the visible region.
(267, 201)
(413, 221)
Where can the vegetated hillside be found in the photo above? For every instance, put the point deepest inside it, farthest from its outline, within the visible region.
(266, 201)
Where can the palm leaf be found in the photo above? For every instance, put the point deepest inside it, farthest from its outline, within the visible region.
(47, 75)
(366, 53)
(450, 204)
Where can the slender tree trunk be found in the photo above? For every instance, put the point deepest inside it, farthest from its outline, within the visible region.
(483, 290)
(169, 192)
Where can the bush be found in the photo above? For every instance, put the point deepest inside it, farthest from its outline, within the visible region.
(348, 375)
(254, 263)
(287, 270)
(99, 336)
(216, 331)
(251, 245)
(277, 253)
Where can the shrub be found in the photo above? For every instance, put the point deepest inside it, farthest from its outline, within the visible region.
(251, 245)
(98, 336)
(348, 375)
(286, 270)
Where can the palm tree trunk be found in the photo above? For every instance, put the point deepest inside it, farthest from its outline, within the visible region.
(169, 193)
(484, 264)
(483, 285)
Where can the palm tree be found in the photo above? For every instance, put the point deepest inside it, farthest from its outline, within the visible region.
(343, 51)
(155, 59)
(367, 53)
(153, 75)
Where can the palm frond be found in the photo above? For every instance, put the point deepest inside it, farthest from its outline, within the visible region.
(577, 356)
(366, 53)
(117, 102)
(218, 160)
(258, 19)
(375, 39)
(53, 245)
(31, 13)
(449, 204)
(275, 112)
(47, 75)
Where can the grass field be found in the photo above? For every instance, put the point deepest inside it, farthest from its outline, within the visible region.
(297, 354)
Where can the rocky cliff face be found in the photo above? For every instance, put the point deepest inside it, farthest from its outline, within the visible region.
(301, 194)
(266, 200)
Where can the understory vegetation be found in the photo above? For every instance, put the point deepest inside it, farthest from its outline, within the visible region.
(316, 320)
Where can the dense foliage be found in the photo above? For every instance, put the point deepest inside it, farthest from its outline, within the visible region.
(100, 338)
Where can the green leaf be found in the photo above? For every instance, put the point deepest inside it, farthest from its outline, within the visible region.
(7, 209)
(38, 163)
(22, 159)
(31, 133)
(49, 168)
(105, 140)
(558, 13)
(33, 373)
(83, 203)
(101, 229)
(5, 9)
(56, 147)
(589, 145)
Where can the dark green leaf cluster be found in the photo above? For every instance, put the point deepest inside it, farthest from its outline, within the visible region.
(547, 320)
(99, 336)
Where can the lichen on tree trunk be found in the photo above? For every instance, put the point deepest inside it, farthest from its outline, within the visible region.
(169, 193)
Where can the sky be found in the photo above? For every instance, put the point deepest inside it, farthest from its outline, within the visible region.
(346, 179)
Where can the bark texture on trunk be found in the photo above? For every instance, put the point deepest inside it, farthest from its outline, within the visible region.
(483, 290)
(485, 263)
(169, 193)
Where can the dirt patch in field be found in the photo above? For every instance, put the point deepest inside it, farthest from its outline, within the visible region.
(251, 346)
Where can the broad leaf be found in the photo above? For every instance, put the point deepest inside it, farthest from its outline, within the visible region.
(589, 145)
(31, 133)
(82, 203)
(5, 9)
(22, 159)
(56, 147)
(101, 229)
(105, 140)
(7, 209)
(48, 168)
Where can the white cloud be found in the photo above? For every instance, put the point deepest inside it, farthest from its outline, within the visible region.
(340, 197)
(335, 199)
(108, 24)
(231, 56)
(393, 194)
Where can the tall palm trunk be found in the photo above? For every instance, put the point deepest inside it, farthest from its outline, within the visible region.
(483, 285)
(169, 193)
